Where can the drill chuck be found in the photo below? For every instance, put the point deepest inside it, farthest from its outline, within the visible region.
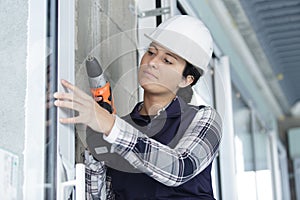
(98, 84)
(95, 73)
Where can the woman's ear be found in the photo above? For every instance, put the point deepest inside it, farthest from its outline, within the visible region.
(186, 81)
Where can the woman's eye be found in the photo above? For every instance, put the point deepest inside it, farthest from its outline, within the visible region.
(150, 52)
(168, 62)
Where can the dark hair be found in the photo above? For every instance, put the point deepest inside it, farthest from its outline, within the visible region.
(186, 93)
(193, 71)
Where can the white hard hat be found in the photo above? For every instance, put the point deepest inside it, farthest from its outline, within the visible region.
(187, 37)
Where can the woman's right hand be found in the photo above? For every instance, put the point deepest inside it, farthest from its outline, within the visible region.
(89, 111)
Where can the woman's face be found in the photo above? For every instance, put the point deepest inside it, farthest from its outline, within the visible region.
(161, 70)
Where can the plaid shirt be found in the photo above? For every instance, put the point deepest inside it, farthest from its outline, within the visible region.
(198, 146)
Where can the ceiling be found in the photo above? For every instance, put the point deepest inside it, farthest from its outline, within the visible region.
(271, 28)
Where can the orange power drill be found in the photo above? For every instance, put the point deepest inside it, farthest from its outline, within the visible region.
(100, 87)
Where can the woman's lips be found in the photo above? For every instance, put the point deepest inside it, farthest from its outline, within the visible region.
(149, 74)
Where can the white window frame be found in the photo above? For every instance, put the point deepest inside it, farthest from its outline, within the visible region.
(37, 51)
(66, 70)
(35, 107)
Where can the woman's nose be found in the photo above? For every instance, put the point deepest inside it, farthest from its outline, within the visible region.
(154, 62)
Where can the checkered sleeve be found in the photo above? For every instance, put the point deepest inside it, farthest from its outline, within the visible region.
(95, 179)
(172, 166)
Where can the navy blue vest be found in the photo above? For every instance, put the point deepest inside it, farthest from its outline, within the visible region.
(163, 128)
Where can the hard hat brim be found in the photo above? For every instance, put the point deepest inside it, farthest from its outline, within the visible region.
(183, 52)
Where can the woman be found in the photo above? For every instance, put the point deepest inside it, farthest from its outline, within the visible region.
(172, 144)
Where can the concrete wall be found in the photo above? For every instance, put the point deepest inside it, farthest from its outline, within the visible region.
(13, 36)
(106, 30)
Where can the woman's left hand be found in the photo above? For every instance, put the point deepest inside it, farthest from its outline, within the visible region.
(89, 111)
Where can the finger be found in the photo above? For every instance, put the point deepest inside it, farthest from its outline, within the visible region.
(69, 104)
(68, 85)
(72, 120)
(66, 96)
(77, 92)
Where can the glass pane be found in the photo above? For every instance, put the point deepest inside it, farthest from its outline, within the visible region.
(252, 149)
(261, 147)
(242, 129)
(51, 110)
(262, 161)
(246, 185)
(244, 152)
(264, 185)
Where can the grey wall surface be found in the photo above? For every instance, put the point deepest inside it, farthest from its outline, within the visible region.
(107, 30)
(13, 36)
